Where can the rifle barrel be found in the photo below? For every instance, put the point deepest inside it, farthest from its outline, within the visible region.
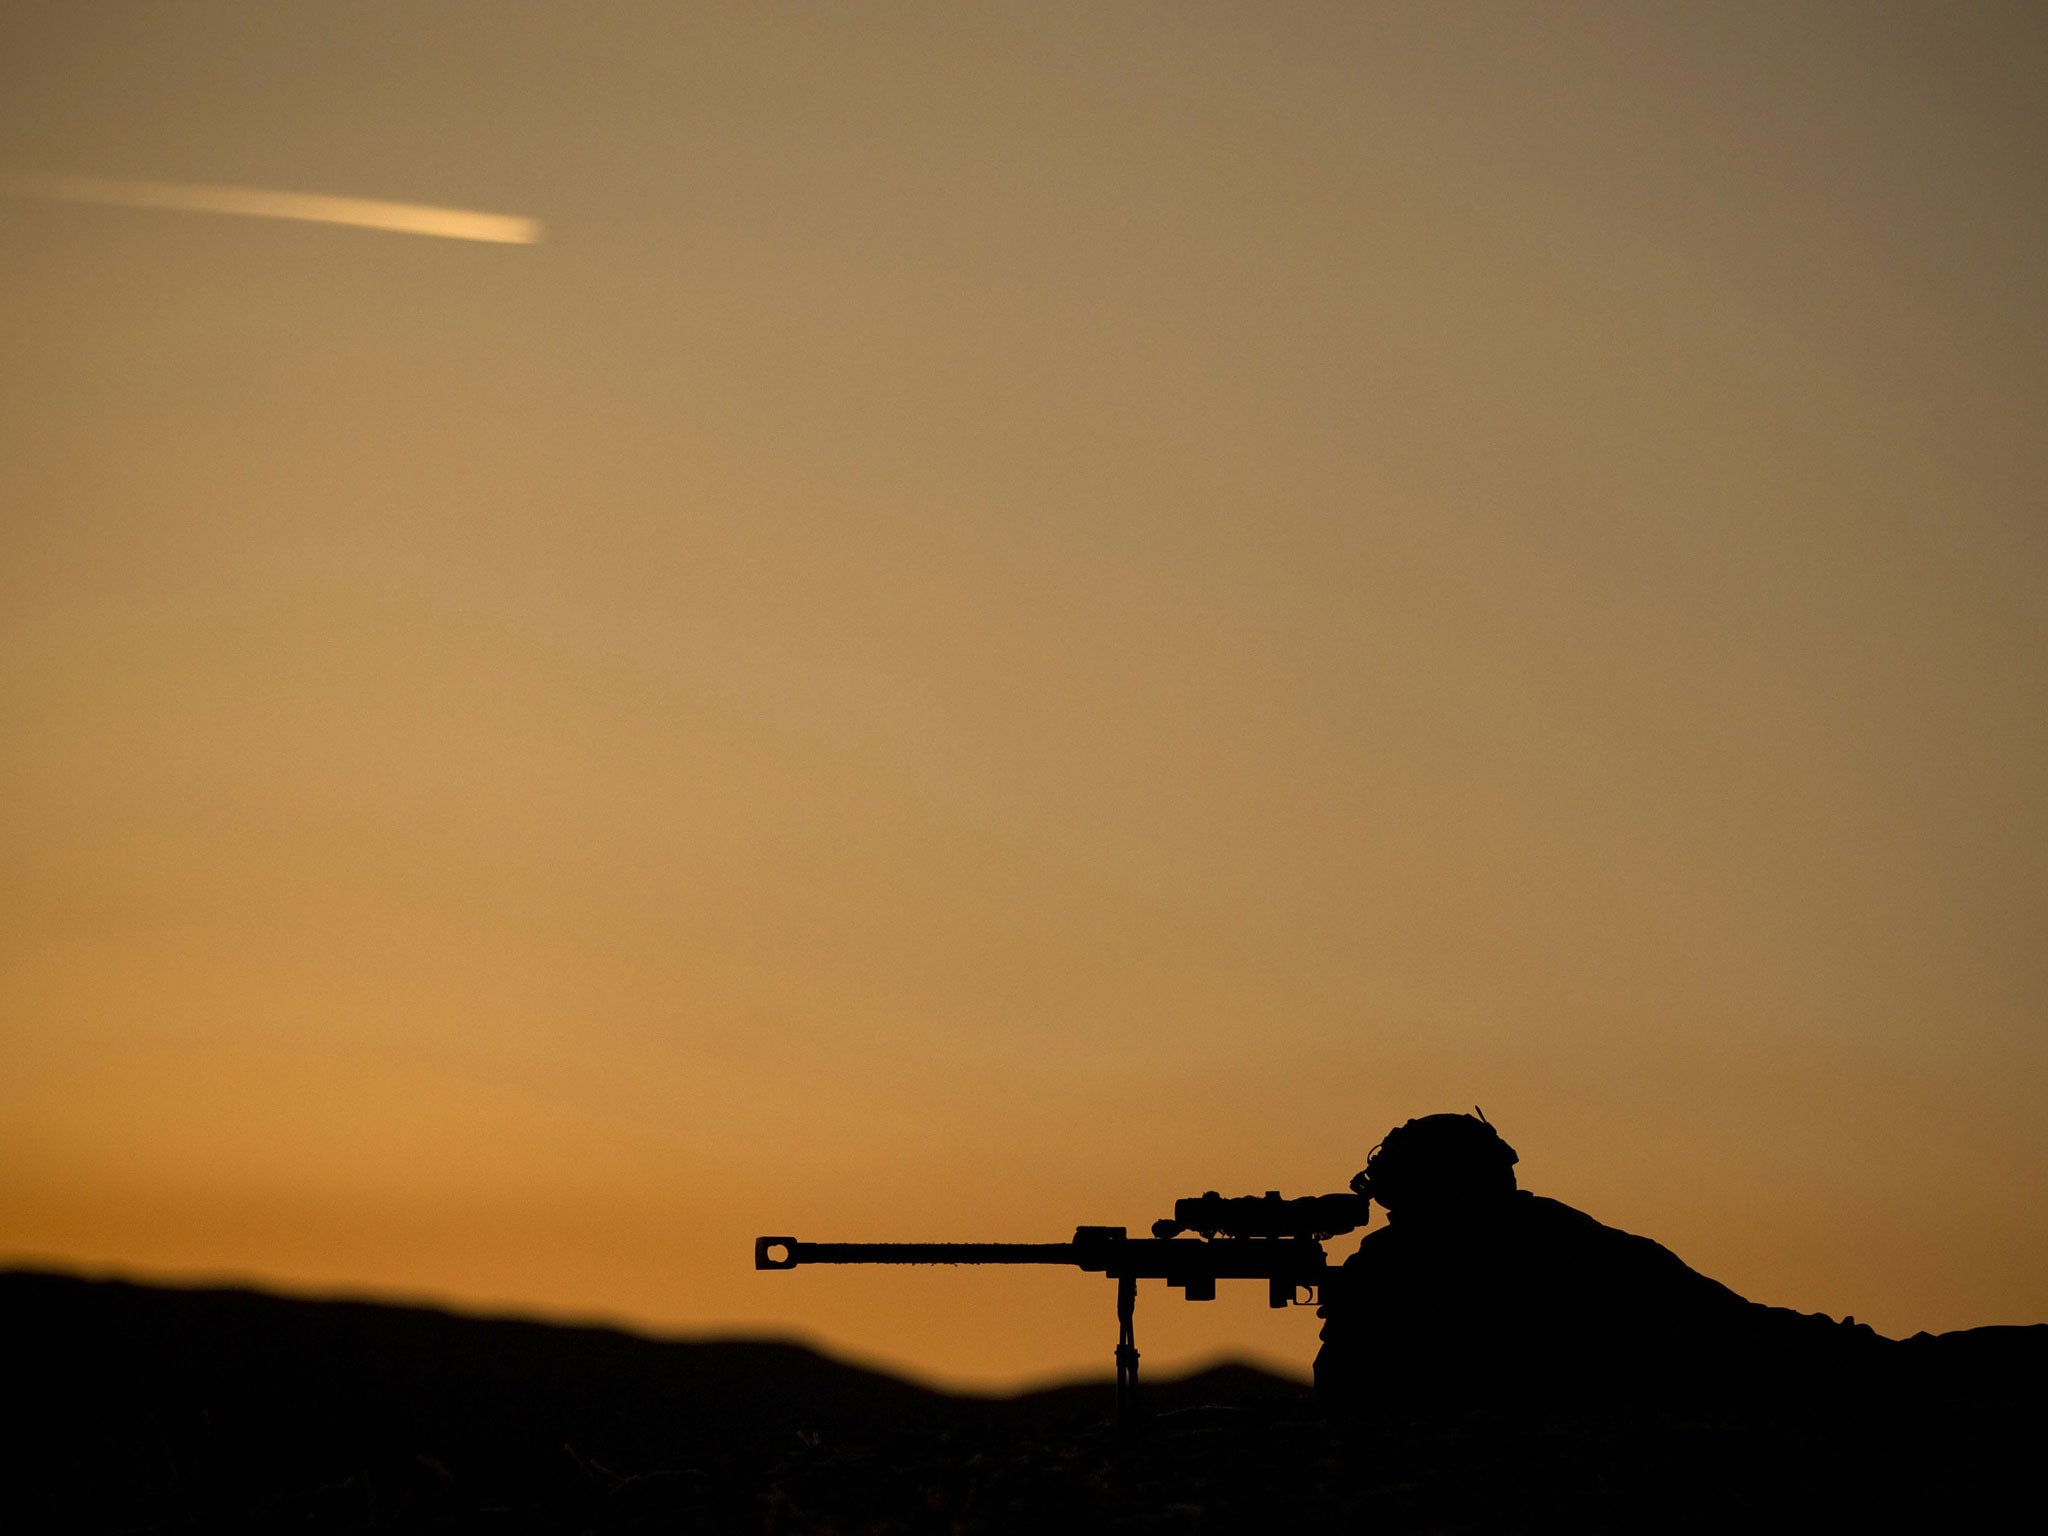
(1102, 1250)
(794, 1253)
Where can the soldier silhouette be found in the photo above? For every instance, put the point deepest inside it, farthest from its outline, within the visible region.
(1475, 1285)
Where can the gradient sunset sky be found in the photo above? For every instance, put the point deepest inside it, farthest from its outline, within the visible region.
(1016, 611)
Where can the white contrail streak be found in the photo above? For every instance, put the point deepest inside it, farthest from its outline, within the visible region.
(255, 202)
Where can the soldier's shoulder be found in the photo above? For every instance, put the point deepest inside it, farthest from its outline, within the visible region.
(1554, 1224)
(1543, 1211)
(1554, 1218)
(1566, 1231)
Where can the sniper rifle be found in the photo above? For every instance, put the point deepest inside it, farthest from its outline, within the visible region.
(1210, 1237)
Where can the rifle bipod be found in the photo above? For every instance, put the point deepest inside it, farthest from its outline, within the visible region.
(1128, 1411)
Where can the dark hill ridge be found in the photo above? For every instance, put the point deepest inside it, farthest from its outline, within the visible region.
(346, 1366)
(125, 1403)
(150, 1409)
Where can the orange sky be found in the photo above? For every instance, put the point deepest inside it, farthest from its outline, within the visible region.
(1020, 611)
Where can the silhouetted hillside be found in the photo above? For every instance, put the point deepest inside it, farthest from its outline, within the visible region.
(131, 1404)
(140, 1408)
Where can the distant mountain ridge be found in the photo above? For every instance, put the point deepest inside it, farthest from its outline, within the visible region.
(135, 1399)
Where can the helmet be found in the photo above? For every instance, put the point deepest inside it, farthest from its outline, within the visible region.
(1439, 1159)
